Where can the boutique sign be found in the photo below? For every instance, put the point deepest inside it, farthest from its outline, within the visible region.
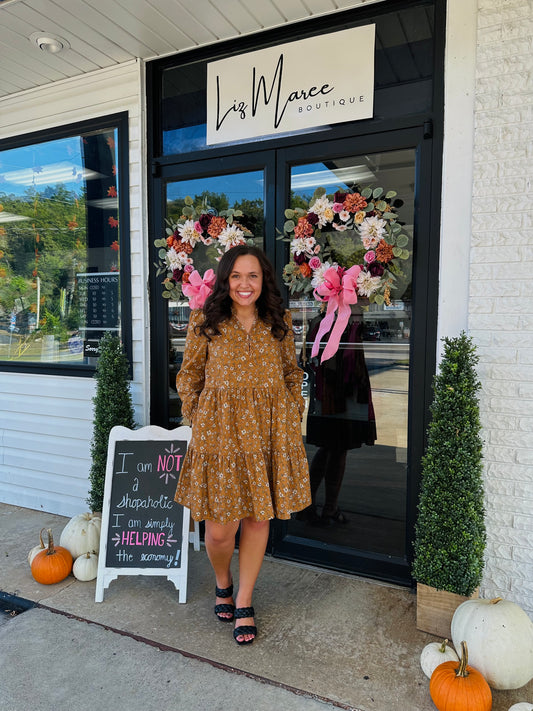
(300, 85)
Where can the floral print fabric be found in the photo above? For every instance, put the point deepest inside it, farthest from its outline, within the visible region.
(242, 393)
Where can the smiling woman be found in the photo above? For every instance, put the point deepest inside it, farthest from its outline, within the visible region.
(59, 247)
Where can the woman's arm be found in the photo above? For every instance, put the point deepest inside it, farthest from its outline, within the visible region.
(191, 377)
(292, 373)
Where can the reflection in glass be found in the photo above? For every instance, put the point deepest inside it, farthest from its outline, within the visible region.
(356, 419)
(238, 191)
(59, 248)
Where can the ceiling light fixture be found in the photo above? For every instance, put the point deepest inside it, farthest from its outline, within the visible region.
(48, 43)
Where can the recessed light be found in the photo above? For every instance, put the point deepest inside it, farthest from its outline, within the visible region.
(49, 43)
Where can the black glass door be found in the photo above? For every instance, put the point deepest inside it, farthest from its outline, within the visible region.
(360, 401)
(366, 406)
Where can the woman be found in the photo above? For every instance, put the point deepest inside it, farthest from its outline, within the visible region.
(240, 388)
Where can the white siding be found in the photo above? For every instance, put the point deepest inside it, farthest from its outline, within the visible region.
(46, 421)
(501, 302)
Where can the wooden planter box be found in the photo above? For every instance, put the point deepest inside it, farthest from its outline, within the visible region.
(435, 608)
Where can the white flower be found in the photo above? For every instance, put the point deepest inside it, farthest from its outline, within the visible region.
(323, 209)
(339, 228)
(371, 230)
(367, 284)
(303, 245)
(344, 215)
(176, 260)
(231, 236)
(188, 233)
(318, 274)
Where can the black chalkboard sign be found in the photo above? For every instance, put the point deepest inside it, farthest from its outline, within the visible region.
(144, 531)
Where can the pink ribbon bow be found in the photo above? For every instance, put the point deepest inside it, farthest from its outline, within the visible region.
(339, 289)
(199, 288)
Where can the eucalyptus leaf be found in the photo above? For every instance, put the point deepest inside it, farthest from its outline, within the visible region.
(289, 226)
(377, 193)
(289, 214)
(402, 241)
(379, 299)
(396, 227)
(391, 194)
(300, 212)
(188, 200)
(168, 285)
(388, 216)
(162, 254)
(381, 205)
(366, 193)
(369, 207)
(397, 251)
(169, 231)
(391, 239)
(318, 194)
(167, 295)
(404, 254)
(187, 211)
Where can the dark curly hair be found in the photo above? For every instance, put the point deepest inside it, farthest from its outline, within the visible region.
(217, 307)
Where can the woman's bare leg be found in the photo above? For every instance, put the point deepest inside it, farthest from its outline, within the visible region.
(252, 546)
(220, 544)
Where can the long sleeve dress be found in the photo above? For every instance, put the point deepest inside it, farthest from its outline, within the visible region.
(242, 394)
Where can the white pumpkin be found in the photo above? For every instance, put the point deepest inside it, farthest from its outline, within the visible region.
(522, 706)
(436, 653)
(85, 567)
(499, 635)
(82, 534)
(37, 549)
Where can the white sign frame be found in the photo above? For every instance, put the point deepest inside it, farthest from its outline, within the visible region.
(177, 575)
(312, 82)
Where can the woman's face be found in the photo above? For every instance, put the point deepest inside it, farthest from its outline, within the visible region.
(245, 280)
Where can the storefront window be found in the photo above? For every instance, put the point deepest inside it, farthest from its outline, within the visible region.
(60, 248)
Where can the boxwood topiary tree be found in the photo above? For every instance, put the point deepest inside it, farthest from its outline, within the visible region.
(450, 530)
(112, 406)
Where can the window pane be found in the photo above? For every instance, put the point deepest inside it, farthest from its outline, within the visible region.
(59, 248)
(356, 424)
(403, 80)
(237, 191)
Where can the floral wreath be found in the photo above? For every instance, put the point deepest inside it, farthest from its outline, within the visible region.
(344, 246)
(198, 228)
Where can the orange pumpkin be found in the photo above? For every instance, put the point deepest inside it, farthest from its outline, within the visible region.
(459, 688)
(52, 565)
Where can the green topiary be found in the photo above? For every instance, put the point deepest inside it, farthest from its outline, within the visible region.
(450, 530)
(112, 406)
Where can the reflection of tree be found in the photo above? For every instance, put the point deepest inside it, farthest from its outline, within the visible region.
(40, 256)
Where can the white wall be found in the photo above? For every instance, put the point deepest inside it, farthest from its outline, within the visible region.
(501, 302)
(46, 421)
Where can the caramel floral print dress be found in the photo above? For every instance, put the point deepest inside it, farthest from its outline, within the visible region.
(241, 392)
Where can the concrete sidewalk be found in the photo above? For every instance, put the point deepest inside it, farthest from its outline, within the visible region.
(324, 641)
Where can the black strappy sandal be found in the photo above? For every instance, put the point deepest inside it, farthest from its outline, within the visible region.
(224, 607)
(241, 613)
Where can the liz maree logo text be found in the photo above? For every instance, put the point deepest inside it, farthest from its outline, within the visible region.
(277, 95)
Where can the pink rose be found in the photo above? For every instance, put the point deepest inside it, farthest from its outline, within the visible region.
(198, 227)
(370, 256)
(315, 263)
(188, 268)
(338, 207)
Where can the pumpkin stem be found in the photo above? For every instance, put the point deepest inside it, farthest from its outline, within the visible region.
(461, 670)
(51, 550)
(442, 647)
(496, 600)
(41, 537)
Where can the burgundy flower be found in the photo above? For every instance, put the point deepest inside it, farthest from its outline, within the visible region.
(340, 197)
(204, 220)
(300, 258)
(177, 274)
(376, 269)
(312, 218)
